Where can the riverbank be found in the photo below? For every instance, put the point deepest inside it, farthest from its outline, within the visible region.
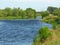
(55, 40)
(16, 18)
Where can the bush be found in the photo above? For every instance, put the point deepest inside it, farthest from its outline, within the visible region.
(44, 33)
(44, 14)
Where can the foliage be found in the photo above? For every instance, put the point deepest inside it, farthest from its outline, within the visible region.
(31, 13)
(44, 14)
(54, 26)
(51, 9)
(54, 15)
(57, 20)
(44, 33)
(17, 12)
(57, 12)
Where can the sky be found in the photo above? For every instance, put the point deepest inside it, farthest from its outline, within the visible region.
(38, 5)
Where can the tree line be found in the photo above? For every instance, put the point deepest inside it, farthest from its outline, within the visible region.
(17, 12)
(29, 13)
(54, 12)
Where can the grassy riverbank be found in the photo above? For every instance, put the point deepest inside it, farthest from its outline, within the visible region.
(53, 40)
(51, 16)
(9, 18)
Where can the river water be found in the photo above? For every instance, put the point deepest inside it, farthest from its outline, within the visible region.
(19, 32)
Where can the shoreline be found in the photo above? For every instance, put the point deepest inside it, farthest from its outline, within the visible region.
(20, 19)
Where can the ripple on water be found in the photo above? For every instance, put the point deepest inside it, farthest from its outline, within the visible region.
(18, 32)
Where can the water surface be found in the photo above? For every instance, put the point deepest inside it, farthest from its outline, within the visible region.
(19, 32)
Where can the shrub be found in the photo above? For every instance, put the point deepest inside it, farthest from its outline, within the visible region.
(44, 14)
(44, 33)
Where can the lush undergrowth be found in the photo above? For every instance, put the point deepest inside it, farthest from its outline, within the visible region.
(53, 40)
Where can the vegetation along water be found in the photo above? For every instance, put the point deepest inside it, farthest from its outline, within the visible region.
(13, 30)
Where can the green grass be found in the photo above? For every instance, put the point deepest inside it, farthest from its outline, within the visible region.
(9, 18)
(54, 41)
(14, 18)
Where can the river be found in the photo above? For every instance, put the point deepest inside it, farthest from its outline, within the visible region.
(19, 32)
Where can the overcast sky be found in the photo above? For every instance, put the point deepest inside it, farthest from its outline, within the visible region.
(39, 5)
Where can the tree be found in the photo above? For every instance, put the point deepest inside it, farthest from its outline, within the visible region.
(57, 20)
(57, 12)
(51, 9)
(15, 12)
(44, 14)
(8, 11)
(21, 13)
(31, 13)
(1, 13)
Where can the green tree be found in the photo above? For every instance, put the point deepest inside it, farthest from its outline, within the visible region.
(21, 13)
(51, 9)
(31, 13)
(8, 11)
(15, 12)
(57, 20)
(57, 12)
(1, 13)
(44, 14)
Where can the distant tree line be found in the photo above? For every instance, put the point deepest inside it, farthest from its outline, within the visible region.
(17, 12)
(54, 12)
(29, 13)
